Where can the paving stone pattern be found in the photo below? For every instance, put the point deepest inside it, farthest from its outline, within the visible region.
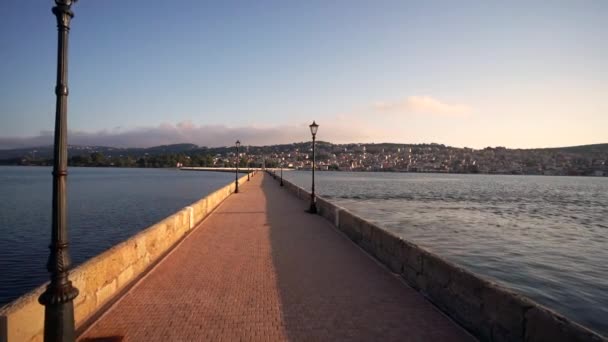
(262, 269)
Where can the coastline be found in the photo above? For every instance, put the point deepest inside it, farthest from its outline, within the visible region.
(223, 169)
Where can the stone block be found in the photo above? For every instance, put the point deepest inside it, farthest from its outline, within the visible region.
(141, 264)
(505, 312)
(436, 269)
(125, 276)
(468, 314)
(413, 258)
(23, 319)
(404, 252)
(435, 279)
(304, 195)
(410, 276)
(153, 245)
(350, 225)
(200, 210)
(337, 217)
(126, 253)
(326, 209)
(465, 303)
(396, 264)
(355, 226)
(140, 245)
(105, 293)
(365, 229)
(368, 247)
(422, 283)
(468, 286)
(375, 235)
(384, 245)
(80, 280)
(381, 256)
(545, 325)
(84, 306)
(390, 242)
(93, 274)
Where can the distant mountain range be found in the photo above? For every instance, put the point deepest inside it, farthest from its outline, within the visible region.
(46, 152)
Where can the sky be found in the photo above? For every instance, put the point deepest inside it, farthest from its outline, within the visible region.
(520, 74)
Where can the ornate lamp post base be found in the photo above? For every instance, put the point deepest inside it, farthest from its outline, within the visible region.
(59, 313)
(313, 207)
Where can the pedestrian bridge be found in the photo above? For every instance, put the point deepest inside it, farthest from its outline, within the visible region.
(256, 266)
(261, 268)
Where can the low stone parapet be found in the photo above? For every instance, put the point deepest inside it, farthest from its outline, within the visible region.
(220, 169)
(486, 309)
(104, 277)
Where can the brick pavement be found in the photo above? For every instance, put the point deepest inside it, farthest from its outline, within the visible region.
(261, 269)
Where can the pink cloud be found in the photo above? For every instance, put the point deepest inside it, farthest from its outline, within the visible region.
(203, 135)
(423, 105)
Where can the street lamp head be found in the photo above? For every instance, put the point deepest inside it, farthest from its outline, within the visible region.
(238, 143)
(313, 128)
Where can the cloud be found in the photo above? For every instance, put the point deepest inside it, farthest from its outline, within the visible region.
(335, 130)
(356, 126)
(43, 139)
(423, 105)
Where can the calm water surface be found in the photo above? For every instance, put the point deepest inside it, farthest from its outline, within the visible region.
(545, 237)
(105, 206)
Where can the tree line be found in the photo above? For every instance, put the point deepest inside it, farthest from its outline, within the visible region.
(98, 159)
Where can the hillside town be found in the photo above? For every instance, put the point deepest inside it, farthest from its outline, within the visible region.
(441, 158)
(588, 160)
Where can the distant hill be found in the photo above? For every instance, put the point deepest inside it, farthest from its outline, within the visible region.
(46, 152)
(582, 149)
(569, 160)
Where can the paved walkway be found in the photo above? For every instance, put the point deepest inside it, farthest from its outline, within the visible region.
(261, 269)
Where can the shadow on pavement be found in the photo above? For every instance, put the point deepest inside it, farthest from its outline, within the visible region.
(330, 290)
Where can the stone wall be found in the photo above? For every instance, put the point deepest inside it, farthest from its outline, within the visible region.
(219, 169)
(487, 310)
(103, 277)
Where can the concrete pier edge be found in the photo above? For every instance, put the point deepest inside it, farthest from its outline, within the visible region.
(486, 309)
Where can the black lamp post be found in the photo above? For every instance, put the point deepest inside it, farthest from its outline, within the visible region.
(236, 173)
(281, 162)
(248, 162)
(59, 295)
(313, 201)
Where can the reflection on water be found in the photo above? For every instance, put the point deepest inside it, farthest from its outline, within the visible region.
(546, 237)
(105, 207)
